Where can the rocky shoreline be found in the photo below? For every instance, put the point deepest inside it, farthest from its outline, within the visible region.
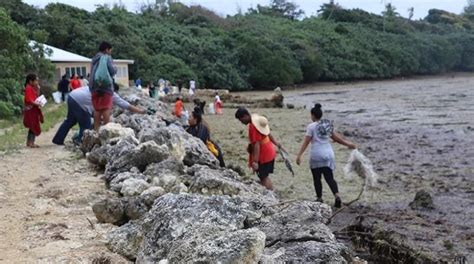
(174, 204)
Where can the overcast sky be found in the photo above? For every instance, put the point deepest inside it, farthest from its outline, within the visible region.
(224, 7)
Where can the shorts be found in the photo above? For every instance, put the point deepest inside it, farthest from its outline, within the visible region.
(265, 169)
(101, 101)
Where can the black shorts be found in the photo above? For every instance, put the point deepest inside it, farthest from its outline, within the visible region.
(265, 169)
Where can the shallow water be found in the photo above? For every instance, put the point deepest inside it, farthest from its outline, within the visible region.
(419, 134)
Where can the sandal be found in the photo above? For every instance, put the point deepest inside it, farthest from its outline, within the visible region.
(319, 200)
(338, 202)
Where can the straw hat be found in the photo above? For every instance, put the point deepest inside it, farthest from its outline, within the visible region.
(261, 123)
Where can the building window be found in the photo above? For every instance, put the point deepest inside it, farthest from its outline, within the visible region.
(68, 72)
(84, 72)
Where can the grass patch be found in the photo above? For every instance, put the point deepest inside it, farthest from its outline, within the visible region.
(13, 133)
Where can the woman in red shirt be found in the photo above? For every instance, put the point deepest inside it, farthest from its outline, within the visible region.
(32, 115)
(75, 82)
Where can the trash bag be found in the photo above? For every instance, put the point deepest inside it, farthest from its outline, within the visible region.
(57, 97)
(102, 78)
(211, 110)
(360, 165)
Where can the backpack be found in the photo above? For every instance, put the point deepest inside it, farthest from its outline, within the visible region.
(102, 78)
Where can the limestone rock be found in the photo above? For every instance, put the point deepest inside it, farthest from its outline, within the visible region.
(186, 148)
(112, 131)
(89, 139)
(126, 239)
(306, 252)
(133, 187)
(151, 194)
(422, 200)
(140, 157)
(116, 183)
(110, 211)
(135, 208)
(178, 219)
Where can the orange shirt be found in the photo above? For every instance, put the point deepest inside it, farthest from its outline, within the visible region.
(267, 151)
(178, 108)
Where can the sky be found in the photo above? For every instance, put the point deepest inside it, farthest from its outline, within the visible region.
(230, 7)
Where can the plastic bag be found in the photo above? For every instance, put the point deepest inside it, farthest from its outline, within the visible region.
(102, 78)
(211, 110)
(57, 97)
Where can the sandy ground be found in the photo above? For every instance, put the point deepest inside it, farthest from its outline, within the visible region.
(45, 203)
(419, 134)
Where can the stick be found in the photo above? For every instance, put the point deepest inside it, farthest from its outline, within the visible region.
(90, 222)
(345, 206)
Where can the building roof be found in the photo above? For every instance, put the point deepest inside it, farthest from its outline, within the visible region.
(59, 55)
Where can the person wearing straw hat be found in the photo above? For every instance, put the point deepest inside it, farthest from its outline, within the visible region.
(261, 150)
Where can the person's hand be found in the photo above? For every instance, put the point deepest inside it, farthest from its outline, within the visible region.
(298, 160)
(255, 166)
(352, 146)
(143, 111)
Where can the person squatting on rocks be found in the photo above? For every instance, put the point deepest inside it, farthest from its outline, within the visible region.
(102, 86)
(32, 115)
(80, 110)
(261, 150)
(322, 159)
(200, 129)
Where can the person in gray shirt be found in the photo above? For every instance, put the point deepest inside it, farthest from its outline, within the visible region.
(322, 160)
(80, 110)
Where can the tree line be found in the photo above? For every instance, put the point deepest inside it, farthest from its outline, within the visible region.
(263, 47)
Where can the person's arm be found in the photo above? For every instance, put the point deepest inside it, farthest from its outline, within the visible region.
(341, 140)
(110, 66)
(117, 100)
(256, 155)
(135, 109)
(306, 141)
(273, 140)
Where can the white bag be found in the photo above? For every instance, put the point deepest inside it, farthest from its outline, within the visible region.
(211, 109)
(57, 97)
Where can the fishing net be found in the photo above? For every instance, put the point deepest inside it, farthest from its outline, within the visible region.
(360, 165)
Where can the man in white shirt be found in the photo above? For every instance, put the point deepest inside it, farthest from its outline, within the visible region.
(80, 110)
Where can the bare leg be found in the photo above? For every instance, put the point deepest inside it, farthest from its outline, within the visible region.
(265, 181)
(97, 119)
(106, 115)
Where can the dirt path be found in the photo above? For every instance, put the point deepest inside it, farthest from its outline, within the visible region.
(45, 203)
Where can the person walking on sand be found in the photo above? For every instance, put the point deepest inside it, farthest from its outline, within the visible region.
(101, 84)
(261, 150)
(321, 158)
(32, 115)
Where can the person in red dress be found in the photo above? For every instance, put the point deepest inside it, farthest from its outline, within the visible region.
(75, 82)
(261, 149)
(32, 115)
